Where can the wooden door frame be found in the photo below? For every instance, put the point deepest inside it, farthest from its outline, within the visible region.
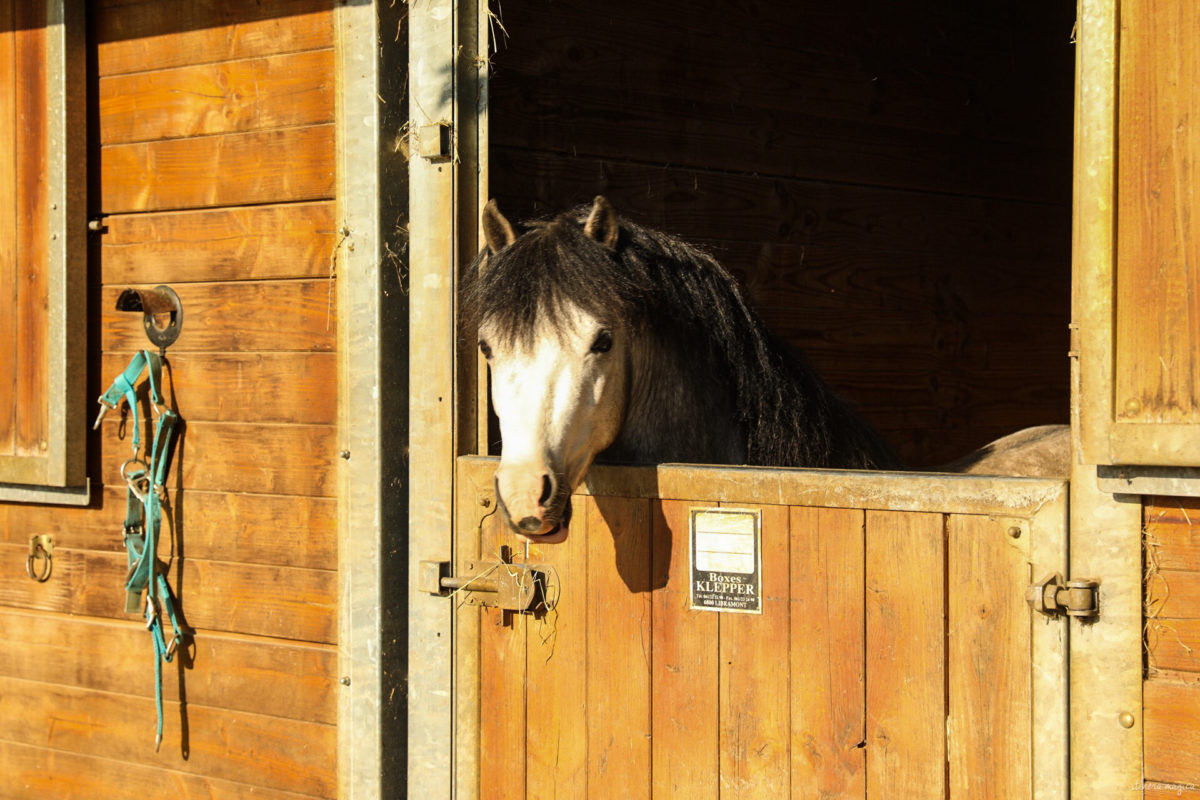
(359, 424)
(445, 142)
(1105, 530)
(366, 270)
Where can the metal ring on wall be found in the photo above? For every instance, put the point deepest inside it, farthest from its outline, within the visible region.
(39, 553)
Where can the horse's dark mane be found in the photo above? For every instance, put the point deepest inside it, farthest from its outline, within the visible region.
(658, 285)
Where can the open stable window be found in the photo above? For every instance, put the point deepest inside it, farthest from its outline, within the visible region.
(43, 259)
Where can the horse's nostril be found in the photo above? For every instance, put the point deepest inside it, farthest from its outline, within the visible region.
(547, 490)
(530, 525)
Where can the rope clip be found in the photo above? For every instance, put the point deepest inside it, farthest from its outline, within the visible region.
(105, 407)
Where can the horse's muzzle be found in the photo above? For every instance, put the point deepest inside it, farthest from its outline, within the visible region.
(541, 514)
(529, 525)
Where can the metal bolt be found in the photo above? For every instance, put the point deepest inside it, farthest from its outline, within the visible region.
(486, 502)
(1015, 532)
(1126, 719)
(1133, 407)
(345, 454)
(345, 680)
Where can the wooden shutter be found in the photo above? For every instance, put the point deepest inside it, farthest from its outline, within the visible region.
(42, 248)
(1137, 252)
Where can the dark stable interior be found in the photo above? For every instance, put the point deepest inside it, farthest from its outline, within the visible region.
(890, 180)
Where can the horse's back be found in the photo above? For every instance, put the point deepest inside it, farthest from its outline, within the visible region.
(1043, 451)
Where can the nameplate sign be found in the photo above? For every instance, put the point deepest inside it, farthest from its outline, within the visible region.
(726, 550)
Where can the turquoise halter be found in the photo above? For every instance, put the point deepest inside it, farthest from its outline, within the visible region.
(145, 482)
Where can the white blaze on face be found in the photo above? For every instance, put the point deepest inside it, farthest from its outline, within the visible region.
(560, 402)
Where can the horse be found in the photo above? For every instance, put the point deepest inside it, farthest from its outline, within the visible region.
(613, 342)
(609, 341)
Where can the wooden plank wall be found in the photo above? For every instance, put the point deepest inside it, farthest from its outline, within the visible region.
(1171, 693)
(213, 161)
(891, 180)
(891, 660)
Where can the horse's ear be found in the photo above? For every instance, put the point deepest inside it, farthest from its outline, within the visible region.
(497, 231)
(602, 224)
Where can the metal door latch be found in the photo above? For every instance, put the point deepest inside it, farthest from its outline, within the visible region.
(1053, 595)
(494, 584)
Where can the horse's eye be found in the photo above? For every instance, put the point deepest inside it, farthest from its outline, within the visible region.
(603, 343)
(485, 349)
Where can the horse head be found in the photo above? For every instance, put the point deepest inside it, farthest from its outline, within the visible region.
(559, 368)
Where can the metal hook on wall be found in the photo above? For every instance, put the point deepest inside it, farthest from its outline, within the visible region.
(162, 313)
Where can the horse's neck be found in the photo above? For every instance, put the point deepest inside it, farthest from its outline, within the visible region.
(678, 409)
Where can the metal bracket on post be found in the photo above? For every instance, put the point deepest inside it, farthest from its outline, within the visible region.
(492, 584)
(1052, 596)
(435, 142)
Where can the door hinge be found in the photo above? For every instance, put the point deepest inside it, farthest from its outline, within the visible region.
(1054, 596)
(495, 584)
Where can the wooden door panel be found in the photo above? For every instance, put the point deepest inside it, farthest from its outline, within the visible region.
(556, 715)
(988, 641)
(828, 658)
(905, 634)
(684, 684)
(755, 676)
(619, 648)
(892, 657)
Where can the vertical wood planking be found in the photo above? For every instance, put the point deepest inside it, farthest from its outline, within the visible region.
(684, 693)
(754, 706)
(988, 661)
(502, 667)
(8, 227)
(32, 399)
(619, 647)
(828, 680)
(906, 694)
(556, 716)
(1158, 251)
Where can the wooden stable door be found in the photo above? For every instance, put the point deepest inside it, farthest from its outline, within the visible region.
(895, 655)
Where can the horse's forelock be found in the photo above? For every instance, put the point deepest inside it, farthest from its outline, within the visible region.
(550, 267)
